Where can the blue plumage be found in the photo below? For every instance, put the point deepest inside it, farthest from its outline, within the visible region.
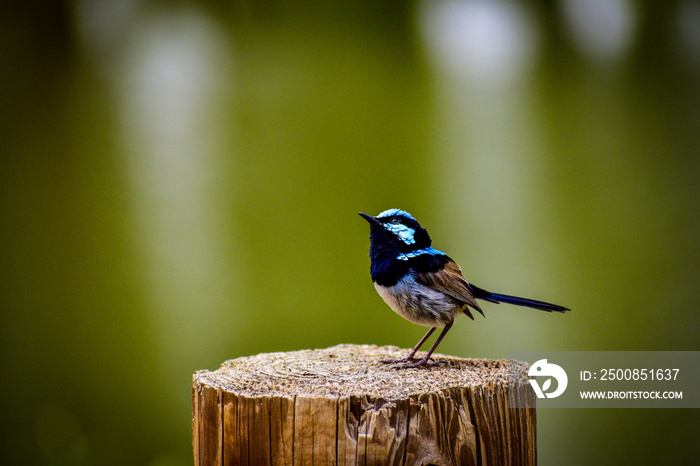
(420, 252)
(422, 284)
(395, 212)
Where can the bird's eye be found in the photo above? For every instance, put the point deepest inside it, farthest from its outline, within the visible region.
(394, 220)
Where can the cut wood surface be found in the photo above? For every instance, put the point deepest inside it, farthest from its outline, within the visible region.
(342, 405)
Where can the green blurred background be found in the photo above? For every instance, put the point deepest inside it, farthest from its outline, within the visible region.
(180, 182)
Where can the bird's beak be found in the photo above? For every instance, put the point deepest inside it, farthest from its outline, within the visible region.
(369, 218)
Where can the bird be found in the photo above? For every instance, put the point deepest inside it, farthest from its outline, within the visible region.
(422, 284)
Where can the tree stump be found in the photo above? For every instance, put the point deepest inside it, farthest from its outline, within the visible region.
(342, 405)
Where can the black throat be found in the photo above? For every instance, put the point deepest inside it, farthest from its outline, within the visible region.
(385, 248)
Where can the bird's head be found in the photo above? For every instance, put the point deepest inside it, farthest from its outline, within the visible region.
(395, 231)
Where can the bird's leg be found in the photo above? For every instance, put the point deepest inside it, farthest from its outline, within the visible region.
(425, 362)
(410, 357)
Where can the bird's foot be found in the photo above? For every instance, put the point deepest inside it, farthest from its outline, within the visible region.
(430, 362)
(407, 359)
(409, 362)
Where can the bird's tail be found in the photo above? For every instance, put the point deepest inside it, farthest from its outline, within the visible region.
(502, 298)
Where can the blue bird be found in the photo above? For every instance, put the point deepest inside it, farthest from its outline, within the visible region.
(422, 284)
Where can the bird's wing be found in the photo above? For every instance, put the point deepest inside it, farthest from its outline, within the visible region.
(449, 280)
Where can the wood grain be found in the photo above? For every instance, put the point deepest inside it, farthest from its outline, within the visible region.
(341, 405)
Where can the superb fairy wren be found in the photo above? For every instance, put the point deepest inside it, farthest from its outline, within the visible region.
(422, 284)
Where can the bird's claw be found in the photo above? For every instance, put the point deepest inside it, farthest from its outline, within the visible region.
(405, 360)
(408, 362)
